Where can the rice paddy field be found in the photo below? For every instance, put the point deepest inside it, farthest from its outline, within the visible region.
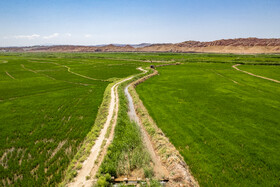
(225, 123)
(48, 104)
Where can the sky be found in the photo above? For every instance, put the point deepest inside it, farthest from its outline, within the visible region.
(93, 22)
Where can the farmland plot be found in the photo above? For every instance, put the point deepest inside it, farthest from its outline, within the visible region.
(48, 105)
(225, 123)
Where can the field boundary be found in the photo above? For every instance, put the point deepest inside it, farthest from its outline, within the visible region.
(262, 77)
(89, 141)
(10, 75)
(91, 160)
(179, 172)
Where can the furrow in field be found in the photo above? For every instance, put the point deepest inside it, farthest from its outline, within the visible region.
(273, 80)
(77, 83)
(224, 76)
(27, 69)
(80, 75)
(10, 75)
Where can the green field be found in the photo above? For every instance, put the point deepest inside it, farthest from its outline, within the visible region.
(225, 123)
(47, 110)
(266, 71)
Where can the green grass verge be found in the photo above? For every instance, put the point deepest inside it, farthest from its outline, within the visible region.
(266, 71)
(127, 152)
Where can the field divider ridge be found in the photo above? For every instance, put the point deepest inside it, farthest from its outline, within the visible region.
(262, 77)
(84, 166)
(86, 147)
(179, 172)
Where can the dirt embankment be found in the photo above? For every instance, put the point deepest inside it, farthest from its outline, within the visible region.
(238, 45)
(178, 171)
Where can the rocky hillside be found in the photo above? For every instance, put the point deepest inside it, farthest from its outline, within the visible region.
(239, 45)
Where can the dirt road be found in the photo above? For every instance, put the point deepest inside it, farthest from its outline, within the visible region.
(273, 80)
(88, 164)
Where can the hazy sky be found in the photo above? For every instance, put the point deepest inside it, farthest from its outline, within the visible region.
(91, 22)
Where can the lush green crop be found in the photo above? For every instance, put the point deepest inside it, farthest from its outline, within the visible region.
(48, 105)
(225, 123)
(228, 133)
(191, 57)
(266, 71)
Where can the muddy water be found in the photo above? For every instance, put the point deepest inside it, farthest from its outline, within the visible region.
(159, 169)
(131, 110)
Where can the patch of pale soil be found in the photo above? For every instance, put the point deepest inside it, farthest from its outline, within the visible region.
(4, 62)
(4, 158)
(10, 75)
(88, 164)
(60, 145)
(235, 67)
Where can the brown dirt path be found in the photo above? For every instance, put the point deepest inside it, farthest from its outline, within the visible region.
(89, 163)
(235, 67)
(10, 75)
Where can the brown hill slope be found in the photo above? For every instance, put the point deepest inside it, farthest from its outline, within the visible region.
(239, 45)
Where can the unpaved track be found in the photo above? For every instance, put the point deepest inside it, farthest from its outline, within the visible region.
(70, 71)
(159, 169)
(10, 75)
(88, 164)
(78, 83)
(273, 80)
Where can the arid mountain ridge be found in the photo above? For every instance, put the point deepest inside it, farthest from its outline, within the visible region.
(239, 45)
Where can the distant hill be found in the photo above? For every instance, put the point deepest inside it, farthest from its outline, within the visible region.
(239, 45)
